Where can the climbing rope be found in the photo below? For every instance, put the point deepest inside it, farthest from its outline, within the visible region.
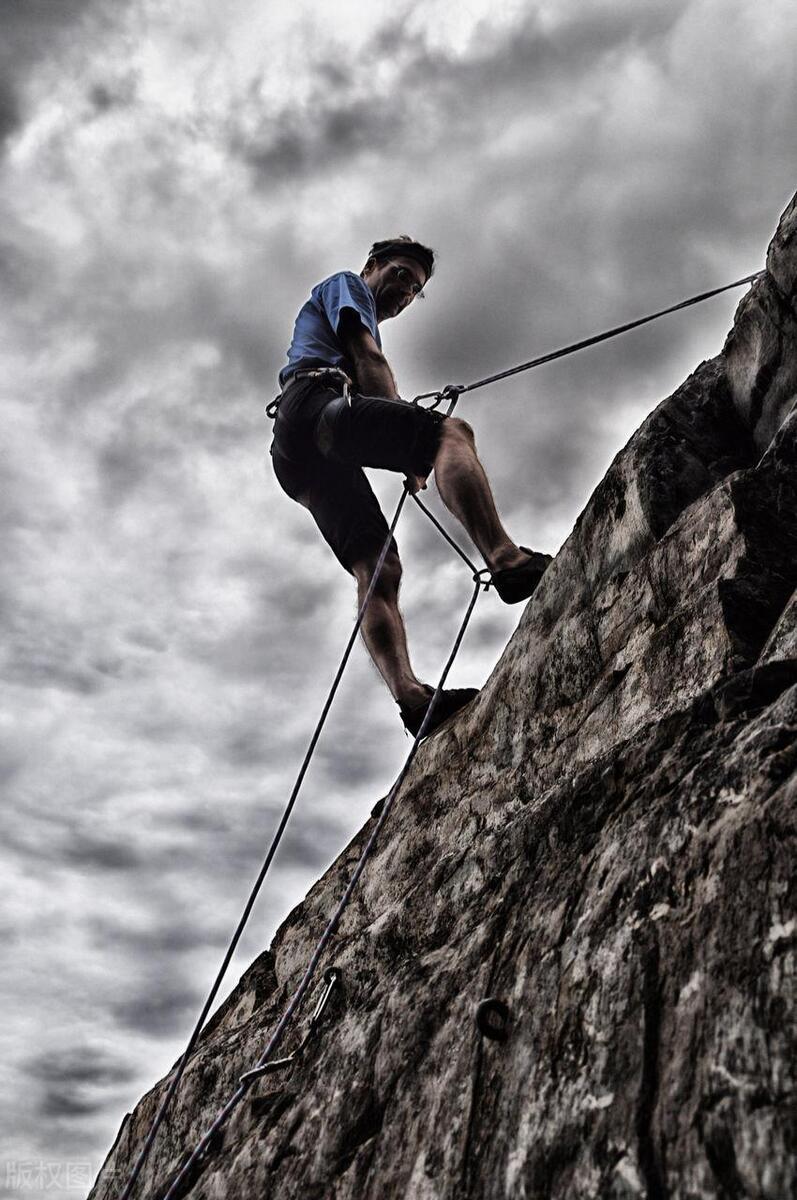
(145, 1149)
(248, 1077)
(450, 393)
(453, 391)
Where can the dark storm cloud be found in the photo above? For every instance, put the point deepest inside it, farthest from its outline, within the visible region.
(486, 631)
(291, 146)
(305, 603)
(426, 538)
(31, 30)
(75, 1081)
(224, 309)
(163, 940)
(10, 114)
(60, 1100)
(87, 851)
(136, 449)
(350, 763)
(39, 660)
(438, 95)
(12, 760)
(530, 57)
(30, 24)
(105, 96)
(260, 646)
(310, 844)
(162, 1010)
(247, 745)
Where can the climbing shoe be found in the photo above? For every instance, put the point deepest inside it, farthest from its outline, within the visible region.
(518, 583)
(449, 701)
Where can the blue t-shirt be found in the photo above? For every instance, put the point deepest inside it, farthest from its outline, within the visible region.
(315, 334)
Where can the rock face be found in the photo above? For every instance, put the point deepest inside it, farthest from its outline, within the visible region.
(604, 841)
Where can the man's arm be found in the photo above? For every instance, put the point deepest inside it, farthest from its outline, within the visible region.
(371, 369)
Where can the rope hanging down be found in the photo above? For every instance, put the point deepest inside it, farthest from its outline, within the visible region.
(245, 1080)
(450, 393)
(161, 1113)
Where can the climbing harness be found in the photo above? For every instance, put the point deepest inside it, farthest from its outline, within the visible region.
(272, 408)
(489, 1022)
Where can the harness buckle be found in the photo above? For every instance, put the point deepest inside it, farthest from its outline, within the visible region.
(272, 408)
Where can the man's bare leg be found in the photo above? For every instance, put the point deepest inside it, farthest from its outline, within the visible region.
(465, 491)
(384, 633)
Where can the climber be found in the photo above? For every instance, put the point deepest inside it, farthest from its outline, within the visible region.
(324, 435)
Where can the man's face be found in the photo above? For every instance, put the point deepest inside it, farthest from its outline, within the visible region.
(394, 282)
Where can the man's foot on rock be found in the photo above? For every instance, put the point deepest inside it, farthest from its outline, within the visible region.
(449, 701)
(519, 583)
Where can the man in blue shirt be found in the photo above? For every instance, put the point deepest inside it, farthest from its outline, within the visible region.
(324, 435)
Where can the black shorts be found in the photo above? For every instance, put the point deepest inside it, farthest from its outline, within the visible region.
(320, 446)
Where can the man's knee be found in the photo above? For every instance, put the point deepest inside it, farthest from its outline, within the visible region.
(455, 430)
(389, 576)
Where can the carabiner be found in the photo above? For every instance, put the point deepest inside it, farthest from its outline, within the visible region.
(452, 392)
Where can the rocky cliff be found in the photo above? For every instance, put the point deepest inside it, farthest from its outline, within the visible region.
(604, 841)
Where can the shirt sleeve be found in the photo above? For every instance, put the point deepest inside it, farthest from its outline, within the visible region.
(348, 290)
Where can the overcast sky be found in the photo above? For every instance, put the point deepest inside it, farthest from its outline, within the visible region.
(175, 176)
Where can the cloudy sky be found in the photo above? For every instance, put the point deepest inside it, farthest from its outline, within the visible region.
(175, 175)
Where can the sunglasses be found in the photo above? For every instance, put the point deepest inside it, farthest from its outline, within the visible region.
(407, 279)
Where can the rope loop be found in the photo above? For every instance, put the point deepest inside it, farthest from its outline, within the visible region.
(483, 578)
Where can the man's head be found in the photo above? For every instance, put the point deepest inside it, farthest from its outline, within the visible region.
(396, 272)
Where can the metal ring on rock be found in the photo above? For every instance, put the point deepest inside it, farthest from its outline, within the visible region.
(492, 1018)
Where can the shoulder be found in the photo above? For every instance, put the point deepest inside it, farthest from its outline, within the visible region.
(345, 293)
(345, 283)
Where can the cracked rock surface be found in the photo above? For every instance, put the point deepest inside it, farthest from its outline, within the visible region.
(604, 840)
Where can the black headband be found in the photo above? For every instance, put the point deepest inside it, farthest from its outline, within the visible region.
(408, 250)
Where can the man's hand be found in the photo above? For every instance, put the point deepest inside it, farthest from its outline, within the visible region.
(415, 483)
